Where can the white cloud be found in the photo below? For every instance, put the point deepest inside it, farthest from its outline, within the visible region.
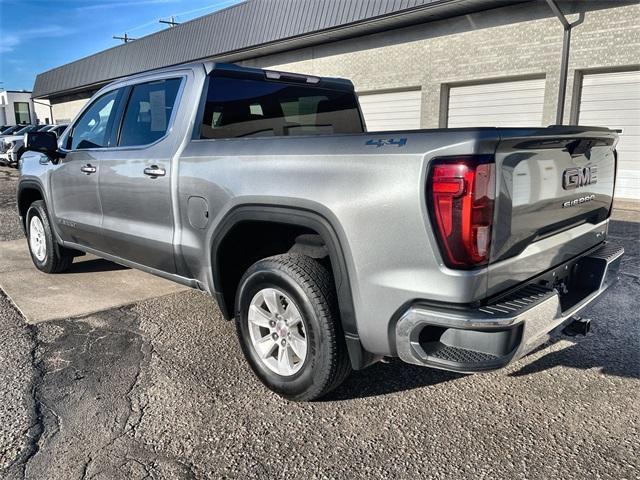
(133, 3)
(9, 41)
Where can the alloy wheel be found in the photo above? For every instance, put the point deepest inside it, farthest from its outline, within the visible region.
(37, 238)
(277, 331)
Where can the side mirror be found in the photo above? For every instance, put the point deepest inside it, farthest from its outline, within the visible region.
(43, 142)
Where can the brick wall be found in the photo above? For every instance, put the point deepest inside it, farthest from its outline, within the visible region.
(509, 42)
(524, 40)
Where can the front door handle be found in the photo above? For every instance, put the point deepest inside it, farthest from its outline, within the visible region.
(155, 171)
(88, 169)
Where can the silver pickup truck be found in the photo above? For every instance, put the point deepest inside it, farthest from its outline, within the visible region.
(332, 247)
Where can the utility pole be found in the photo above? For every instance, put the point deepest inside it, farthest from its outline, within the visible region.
(125, 39)
(171, 23)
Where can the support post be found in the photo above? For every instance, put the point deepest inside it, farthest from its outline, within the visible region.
(46, 105)
(564, 72)
(564, 63)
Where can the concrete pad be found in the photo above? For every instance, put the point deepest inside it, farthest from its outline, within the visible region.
(626, 210)
(91, 285)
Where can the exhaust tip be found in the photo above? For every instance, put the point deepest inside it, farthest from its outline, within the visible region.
(578, 326)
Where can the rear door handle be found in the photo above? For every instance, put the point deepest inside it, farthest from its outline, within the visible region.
(155, 171)
(88, 169)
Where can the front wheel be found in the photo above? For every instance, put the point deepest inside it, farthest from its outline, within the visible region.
(289, 329)
(46, 254)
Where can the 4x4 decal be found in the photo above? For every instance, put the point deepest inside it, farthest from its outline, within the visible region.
(401, 142)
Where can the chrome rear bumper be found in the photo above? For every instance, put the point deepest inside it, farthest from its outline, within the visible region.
(491, 336)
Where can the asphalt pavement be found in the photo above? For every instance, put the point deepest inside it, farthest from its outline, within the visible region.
(159, 389)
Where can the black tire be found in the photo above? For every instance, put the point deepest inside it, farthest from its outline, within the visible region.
(56, 258)
(308, 283)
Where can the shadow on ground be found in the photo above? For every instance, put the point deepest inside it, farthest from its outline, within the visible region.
(95, 265)
(385, 378)
(581, 356)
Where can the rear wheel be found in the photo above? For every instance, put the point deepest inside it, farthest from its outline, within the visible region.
(46, 254)
(289, 329)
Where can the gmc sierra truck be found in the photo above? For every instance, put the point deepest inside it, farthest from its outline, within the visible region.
(331, 247)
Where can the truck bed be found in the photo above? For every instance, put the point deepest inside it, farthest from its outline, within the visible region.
(372, 186)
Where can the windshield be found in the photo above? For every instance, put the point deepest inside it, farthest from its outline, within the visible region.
(58, 129)
(11, 130)
(28, 128)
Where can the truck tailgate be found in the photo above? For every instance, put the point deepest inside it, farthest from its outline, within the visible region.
(554, 195)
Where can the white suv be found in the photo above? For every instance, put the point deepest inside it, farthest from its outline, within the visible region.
(12, 146)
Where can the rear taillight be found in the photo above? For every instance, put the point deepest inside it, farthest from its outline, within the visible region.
(462, 193)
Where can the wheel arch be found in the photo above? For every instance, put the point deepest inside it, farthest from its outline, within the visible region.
(28, 192)
(311, 220)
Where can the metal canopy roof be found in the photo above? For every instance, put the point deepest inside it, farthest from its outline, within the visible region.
(252, 28)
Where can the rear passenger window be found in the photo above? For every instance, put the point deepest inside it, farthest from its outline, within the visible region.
(245, 107)
(148, 112)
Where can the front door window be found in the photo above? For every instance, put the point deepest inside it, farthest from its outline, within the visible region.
(93, 128)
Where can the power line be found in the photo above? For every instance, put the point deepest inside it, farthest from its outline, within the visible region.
(219, 5)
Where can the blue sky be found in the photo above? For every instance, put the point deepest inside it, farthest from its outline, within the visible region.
(37, 35)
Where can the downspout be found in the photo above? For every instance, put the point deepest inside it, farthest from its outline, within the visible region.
(564, 64)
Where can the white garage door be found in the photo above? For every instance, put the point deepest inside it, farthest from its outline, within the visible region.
(613, 100)
(391, 110)
(500, 104)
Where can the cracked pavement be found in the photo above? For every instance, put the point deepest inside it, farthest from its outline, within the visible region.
(159, 389)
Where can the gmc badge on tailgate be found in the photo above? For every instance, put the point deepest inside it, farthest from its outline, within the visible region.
(575, 177)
